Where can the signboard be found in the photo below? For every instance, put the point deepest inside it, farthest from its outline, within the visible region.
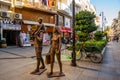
(67, 22)
(11, 24)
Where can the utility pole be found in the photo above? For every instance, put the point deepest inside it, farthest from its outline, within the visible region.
(73, 61)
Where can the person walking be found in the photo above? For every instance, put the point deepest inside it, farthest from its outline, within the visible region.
(117, 38)
(38, 40)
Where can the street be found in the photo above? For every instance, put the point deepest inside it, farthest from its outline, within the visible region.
(16, 64)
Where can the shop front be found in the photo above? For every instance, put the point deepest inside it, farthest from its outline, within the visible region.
(66, 33)
(10, 29)
(30, 21)
(64, 21)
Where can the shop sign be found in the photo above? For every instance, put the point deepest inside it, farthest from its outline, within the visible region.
(67, 22)
(65, 29)
(9, 21)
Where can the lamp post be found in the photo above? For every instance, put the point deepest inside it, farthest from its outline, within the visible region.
(102, 20)
(102, 15)
(73, 61)
(0, 28)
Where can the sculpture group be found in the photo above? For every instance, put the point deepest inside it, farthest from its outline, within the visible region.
(55, 49)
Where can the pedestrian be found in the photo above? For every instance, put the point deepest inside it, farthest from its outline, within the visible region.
(27, 37)
(55, 50)
(117, 38)
(21, 38)
(38, 40)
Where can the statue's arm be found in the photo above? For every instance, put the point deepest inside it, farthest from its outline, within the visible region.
(40, 37)
(60, 42)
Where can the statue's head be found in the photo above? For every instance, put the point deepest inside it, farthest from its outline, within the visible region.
(56, 30)
(40, 20)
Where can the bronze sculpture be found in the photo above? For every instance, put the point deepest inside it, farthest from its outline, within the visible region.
(55, 50)
(38, 39)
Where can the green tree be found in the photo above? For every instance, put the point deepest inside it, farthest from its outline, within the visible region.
(99, 35)
(85, 24)
(107, 32)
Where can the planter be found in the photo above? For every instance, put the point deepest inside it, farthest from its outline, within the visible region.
(3, 45)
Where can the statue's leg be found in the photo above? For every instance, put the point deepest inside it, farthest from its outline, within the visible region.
(41, 59)
(38, 58)
(52, 55)
(58, 55)
(38, 61)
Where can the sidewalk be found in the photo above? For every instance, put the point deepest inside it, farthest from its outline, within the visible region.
(20, 68)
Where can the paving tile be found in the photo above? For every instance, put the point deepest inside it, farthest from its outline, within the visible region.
(90, 73)
(19, 69)
(85, 77)
(2, 79)
(106, 76)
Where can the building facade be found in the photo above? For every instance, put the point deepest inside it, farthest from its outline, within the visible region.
(25, 14)
(65, 13)
(116, 26)
(22, 15)
(9, 23)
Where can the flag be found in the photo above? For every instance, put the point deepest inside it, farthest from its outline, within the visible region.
(44, 2)
(51, 3)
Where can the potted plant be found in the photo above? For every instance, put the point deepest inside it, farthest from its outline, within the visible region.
(3, 43)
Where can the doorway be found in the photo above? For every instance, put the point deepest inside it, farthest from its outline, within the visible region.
(11, 37)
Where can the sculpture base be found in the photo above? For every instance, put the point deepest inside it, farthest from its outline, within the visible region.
(55, 74)
(40, 72)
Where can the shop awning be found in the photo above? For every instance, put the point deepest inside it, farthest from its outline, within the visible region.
(65, 29)
(64, 13)
(49, 24)
(30, 22)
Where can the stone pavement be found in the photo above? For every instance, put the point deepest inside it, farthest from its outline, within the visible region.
(17, 63)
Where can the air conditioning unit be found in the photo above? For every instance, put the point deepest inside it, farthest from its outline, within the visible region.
(17, 16)
(5, 14)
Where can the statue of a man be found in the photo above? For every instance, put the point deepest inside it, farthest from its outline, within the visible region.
(38, 40)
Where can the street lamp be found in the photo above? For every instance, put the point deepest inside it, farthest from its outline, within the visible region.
(0, 28)
(103, 20)
(73, 61)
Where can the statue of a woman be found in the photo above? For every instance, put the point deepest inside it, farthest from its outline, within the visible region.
(56, 49)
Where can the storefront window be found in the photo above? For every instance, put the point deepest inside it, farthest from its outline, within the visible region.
(3, 7)
(37, 3)
(18, 3)
(61, 20)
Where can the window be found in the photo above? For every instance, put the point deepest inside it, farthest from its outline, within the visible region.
(29, 2)
(61, 20)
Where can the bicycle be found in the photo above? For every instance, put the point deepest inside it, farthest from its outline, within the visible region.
(95, 57)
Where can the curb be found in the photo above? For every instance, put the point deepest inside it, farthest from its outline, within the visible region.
(103, 51)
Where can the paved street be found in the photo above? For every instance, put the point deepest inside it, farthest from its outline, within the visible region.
(17, 63)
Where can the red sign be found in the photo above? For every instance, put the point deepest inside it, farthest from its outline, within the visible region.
(65, 29)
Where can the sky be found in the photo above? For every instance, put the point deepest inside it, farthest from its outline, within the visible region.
(109, 7)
